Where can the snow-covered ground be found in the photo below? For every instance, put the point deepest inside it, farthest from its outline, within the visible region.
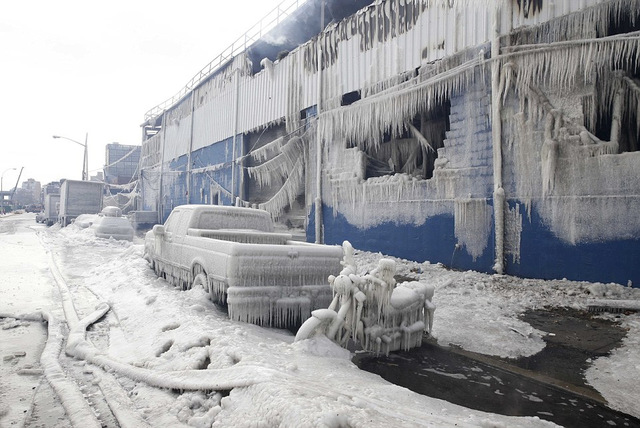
(164, 357)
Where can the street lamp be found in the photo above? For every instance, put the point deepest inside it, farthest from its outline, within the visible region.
(2, 177)
(85, 163)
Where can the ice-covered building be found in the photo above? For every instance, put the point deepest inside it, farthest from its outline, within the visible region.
(488, 135)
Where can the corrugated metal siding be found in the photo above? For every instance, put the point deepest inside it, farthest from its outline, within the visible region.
(263, 97)
(213, 121)
(150, 178)
(178, 129)
(151, 151)
(373, 46)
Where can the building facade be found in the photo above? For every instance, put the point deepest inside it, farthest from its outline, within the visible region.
(495, 136)
(121, 163)
(29, 193)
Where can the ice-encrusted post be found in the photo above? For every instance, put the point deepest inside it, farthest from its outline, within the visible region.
(160, 201)
(496, 134)
(616, 116)
(234, 155)
(189, 158)
(318, 200)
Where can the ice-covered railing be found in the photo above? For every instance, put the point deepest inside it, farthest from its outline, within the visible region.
(241, 44)
(372, 310)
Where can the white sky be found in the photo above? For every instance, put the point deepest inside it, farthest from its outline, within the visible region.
(72, 67)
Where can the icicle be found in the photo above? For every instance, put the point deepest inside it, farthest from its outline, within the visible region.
(366, 121)
(549, 160)
(279, 166)
(513, 230)
(472, 225)
(506, 78)
(416, 134)
(263, 153)
(558, 64)
(287, 193)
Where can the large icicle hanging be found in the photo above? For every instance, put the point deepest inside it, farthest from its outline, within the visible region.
(366, 121)
(265, 152)
(278, 167)
(288, 192)
(288, 165)
(633, 99)
(561, 64)
(473, 225)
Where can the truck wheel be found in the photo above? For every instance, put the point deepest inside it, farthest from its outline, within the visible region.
(202, 281)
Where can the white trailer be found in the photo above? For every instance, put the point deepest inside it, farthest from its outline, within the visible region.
(79, 197)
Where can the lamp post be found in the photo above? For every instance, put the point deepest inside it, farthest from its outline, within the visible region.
(2, 177)
(85, 163)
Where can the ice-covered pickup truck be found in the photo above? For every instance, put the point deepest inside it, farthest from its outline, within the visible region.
(263, 277)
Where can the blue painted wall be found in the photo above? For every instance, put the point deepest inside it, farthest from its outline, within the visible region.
(433, 241)
(542, 255)
(218, 154)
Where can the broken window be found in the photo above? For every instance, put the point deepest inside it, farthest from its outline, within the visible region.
(415, 151)
(614, 107)
(350, 98)
(602, 119)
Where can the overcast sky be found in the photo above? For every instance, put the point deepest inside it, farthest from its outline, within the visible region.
(72, 67)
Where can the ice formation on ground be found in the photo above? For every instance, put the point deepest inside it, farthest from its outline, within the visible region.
(372, 310)
(154, 326)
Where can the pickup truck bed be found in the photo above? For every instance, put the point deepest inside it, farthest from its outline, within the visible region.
(262, 276)
(245, 236)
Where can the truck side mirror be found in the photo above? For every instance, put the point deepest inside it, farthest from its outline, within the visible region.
(158, 229)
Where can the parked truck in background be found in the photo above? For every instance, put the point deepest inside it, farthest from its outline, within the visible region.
(79, 197)
(263, 277)
(51, 207)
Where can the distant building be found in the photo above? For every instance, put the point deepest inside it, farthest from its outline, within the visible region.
(29, 193)
(121, 163)
(5, 200)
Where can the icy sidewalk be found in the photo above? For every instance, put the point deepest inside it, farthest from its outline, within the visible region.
(25, 288)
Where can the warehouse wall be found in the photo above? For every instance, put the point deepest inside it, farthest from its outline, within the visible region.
(407, 142)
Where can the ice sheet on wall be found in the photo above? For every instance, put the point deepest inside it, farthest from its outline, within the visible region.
(584, 189)
(473, 219)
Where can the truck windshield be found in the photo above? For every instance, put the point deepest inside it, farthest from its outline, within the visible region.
(172, 222)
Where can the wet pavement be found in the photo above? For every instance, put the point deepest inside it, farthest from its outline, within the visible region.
(549, 385)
